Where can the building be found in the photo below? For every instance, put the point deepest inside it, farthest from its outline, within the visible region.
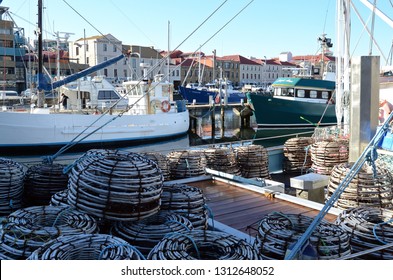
(12, 74)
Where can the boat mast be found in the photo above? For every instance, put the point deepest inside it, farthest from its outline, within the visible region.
(40, 76)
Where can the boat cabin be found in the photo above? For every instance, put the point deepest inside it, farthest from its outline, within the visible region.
(309, 90)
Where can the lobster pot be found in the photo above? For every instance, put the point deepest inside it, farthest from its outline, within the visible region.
(222, 159)
(145, 234)
(60, 198)
(86, 247)
(42, 181)
(368, 228)
(385, 161)
(278, 231)
(297, 157)
(115, 186)
(326, 154)
(12, 176)
(365, 189)
(186, 164)
(253, 161)
(162, 162)
(187, 201)
(27, 229)
(203, 245)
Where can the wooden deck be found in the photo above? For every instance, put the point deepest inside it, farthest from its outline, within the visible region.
(242, 209)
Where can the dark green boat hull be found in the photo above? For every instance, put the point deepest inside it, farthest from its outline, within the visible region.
(271, 112)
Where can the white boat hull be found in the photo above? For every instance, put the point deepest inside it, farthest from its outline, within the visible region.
(25, 130)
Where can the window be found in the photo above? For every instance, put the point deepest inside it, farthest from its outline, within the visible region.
(87, 60)
(106, 72)
(114, 48)
(313, 94)
(115, 73)
(325, 95)
(87, 47)
(105, 47)
(125, 73)
(107, 94)
(77, 50)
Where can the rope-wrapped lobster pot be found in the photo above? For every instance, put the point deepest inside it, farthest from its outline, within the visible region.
(27, 229)
(203, 245)
(253, 161)
(326, 154)
(42, 181)
(187, 201)
(186, 164)
(145, 234)
(115, 185)
(368, 227)
(365, 189)
(277, 231)
(86, 247)
(297, 156)
(162, 162)
(222, 159)
(12, 175)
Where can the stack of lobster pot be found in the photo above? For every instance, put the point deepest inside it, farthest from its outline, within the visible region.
(162, 162)
(115, 185)
(186, 164)
(42, 181)
(297, 156)
(12, 175)
(222, 159)
(253, 161)
(327, 154)
(371, 186)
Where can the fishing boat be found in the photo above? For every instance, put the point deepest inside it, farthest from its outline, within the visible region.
(295, 103)
(218, 92)
(150, 115)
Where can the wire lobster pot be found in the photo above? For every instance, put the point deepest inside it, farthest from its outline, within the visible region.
(27, 229)
(253, 161)
(222, 159)
(12, 175)
(145, 234)
(42, 181)
(60, 198)
(187, 201)
(203, 245)
(86, 247)
(370, 187)
(186, 164)
(368, 227)
(115, 186)
(278, 231)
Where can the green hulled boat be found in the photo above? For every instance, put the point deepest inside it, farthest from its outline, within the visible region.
(295, 103)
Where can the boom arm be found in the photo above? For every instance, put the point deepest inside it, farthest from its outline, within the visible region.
(44, 84)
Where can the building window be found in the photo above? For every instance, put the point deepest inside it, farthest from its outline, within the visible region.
(114, 48)
(105, 47)
(105, 58)
(125, 73)
(87, 60)
(106, 72)
(87, 47)
(77, 50)
(115, 73)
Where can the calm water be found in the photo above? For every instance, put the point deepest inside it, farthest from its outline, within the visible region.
(229, 130)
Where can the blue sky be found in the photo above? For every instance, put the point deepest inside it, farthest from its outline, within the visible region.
(263, 28)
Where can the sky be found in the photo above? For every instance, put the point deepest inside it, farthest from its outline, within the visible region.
(256, 28)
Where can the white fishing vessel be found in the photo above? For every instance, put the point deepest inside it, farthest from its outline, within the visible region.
(94, 117)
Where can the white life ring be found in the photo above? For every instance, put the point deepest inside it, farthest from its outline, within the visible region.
(165, 106)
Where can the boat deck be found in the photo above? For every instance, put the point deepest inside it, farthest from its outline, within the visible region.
(242, 209)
